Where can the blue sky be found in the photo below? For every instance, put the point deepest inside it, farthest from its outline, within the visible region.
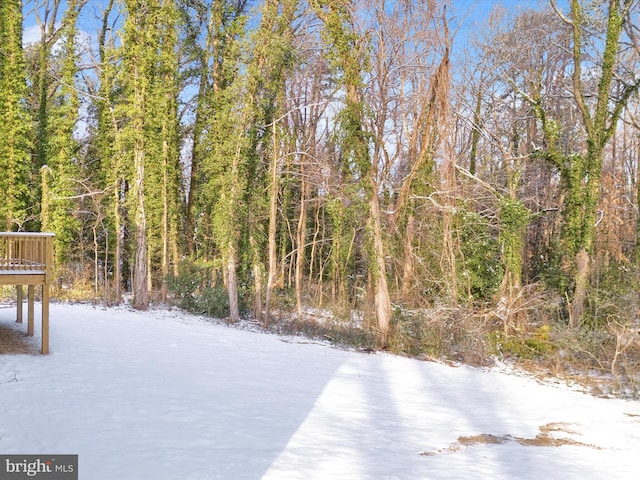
(473, 14)
(469, 11)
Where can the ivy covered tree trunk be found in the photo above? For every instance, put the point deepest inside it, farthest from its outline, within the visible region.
(349, 58)
(205, 87)
(42, 80)
(138, 57)
(14, 119)
(147, 173)
(271, 62)
(228, 214)
(226, 170)
(514, 218)
(165, 94)
(216, 207)
(582, 171)
(140, 285)
(109, 152)
(61, 147)
(274, 192)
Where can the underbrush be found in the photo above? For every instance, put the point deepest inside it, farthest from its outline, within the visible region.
(197, 289)
(336, 331)
(604, 361)
(442, 332)
(528, 331)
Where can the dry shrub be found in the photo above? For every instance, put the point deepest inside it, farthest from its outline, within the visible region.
(344, 332)
(606, 360)
(603, 356)
(442, 332)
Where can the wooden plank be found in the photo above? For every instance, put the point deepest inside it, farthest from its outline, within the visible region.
(23, 279)
(26, 234)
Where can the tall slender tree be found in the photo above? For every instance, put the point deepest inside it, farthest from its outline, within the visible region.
(47, 15)
(163, 174)
(224, 163)
(349, 58)
(271, 60)
(14, 119)
(139, 55)
(61, 149)
(109, 150)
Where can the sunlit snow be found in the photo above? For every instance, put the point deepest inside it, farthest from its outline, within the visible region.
(167, 395)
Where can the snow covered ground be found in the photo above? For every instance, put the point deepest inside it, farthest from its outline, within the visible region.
(166, 395)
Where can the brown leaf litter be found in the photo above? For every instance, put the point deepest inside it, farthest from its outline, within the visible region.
(544, 439)
(14, 340)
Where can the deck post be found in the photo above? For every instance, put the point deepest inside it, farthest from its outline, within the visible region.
(30, 315)
(45, 319)
(19, 297)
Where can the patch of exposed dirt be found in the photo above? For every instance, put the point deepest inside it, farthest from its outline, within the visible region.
(14, 340)
(545, 438)
(483, 438)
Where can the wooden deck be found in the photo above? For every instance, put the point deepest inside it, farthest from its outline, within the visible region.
(27, 259)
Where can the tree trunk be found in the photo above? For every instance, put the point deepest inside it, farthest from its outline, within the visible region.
(273, 212)
(407, 263)
(475, 133)
(448, 258)
(637, 210)
(43, 96)
(301, 238)
(381, 292)
(117, 274)
(232, 286)
(599, 119)
(140, 287)
(256, 268)
(580, 292)
(164, 267)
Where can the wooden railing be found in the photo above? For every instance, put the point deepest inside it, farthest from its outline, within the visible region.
(26, 258)
(26, 252)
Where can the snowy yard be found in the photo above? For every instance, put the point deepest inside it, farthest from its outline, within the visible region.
(165, 395)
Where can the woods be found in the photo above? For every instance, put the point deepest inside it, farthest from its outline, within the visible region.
(441, 185)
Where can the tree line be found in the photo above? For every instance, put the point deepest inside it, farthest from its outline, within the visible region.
(346, 154)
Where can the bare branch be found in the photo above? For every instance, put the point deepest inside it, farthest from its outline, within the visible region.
(562, 16)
